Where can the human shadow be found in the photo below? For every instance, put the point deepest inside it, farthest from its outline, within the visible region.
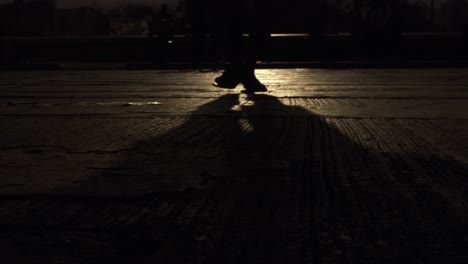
(259, 179)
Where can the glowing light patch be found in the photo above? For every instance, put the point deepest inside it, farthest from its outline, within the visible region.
(111, 104)
(236, 108)
(141, 103)
(245, 101)
(245, 125)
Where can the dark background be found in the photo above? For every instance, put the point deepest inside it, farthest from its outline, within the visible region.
(49, 31)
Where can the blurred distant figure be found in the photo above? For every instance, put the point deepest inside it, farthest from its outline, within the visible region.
(465, 32)
(377, 27)
(318, 18)
(465, 40)
(161, 24)
(236, 17)
(197, 12)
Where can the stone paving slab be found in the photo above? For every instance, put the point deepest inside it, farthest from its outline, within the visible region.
(328, 166)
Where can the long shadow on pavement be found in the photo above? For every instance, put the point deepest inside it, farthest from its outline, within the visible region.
(250, 179)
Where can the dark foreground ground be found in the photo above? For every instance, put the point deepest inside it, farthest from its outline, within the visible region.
(329, 166)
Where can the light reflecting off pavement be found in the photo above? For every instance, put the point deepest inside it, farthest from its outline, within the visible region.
(271, 77)
(236, 108)
(245, 125)
(141, 103)
(244, 100)
(120, 103)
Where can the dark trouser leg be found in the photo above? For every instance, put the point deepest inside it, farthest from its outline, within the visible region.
(230, 36)
(241, 52)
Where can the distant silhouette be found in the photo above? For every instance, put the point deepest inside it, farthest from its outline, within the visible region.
(165, 24)
(197, 14)
(236, 18)
(161, 25)
(377, 16)
(377, 28)
(3, 52)
(465, 41)
(465, 32)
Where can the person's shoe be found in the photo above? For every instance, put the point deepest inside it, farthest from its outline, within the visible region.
(252, 84)
(229, 79)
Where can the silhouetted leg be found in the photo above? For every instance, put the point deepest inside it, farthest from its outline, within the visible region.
(257, 26)
(239, 18)
(251, 51)
(231, 35)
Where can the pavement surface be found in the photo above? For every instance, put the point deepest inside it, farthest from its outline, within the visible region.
(158, 166)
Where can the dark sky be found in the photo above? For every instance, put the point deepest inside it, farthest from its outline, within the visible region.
(105, 3)
(113, 3)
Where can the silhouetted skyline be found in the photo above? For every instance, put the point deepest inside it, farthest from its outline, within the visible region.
(114, 3)
(103, 3)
